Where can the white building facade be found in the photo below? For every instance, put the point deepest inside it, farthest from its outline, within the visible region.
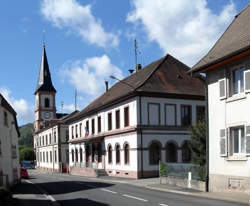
(228, 80)
(9, 155)
(127, 137)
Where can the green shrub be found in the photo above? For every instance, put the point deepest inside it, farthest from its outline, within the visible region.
(163, 169)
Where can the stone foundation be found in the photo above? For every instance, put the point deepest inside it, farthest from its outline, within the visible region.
(220, 183)
(81, 171)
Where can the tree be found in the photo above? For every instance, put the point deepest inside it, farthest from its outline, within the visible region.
(197, 145)
(27, 153)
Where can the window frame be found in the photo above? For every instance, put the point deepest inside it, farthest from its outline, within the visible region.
(241, 73)
(232, 140)
(126, 121)
(99, 124)
(109, 121)
(182, 118)
(93, 126)
(175, 114)
(159, 113)
(117, 120)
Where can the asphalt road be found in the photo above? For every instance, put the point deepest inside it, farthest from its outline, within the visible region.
(73, 191)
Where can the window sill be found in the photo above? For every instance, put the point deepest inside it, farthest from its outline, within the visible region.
(237, 158)
(236, 97)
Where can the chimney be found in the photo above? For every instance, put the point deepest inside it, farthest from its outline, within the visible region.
(107, 85)
(138, 67)
(131, 71)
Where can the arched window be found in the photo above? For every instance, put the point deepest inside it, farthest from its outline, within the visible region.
(73, 155)
(186, 153)
(99, 150)
(76, 155)
(109, 154)
(126, 154)
(171, 152)
(154, 153)
(46, 102)
(117, 154)
(80, 154)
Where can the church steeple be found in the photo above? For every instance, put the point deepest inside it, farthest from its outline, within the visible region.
(44, 80)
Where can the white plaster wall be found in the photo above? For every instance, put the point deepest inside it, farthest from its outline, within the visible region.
(224, 114)
(163, 101)
(133, 162)
(8, 137)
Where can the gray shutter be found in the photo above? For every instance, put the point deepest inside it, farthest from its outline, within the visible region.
(247, 79)
(248, 140)
(223, 142)
(222, 86)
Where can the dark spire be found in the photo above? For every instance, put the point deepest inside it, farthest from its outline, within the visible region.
(44, 80)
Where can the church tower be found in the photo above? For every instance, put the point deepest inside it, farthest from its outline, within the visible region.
(45, 95)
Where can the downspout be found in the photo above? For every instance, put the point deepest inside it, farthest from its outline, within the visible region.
(59, 147)
(207, 136)
(141, 137)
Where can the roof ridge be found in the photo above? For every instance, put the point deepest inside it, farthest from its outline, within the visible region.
(156, 68)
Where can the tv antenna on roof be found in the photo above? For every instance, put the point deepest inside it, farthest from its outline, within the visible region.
(62, 106)
(135, 55)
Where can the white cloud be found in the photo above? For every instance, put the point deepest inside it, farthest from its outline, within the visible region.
(77, 18)
(88, 76)
(24, 110)
(68, 107)
(185, 29)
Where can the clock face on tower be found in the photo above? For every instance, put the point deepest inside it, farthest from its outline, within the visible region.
(47, 115)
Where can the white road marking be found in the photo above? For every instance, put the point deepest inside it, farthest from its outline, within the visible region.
(163, 204)
(109, 191)
(92, 186)
(137, 198)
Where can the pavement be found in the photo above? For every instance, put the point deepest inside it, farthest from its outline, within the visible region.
(63, 189)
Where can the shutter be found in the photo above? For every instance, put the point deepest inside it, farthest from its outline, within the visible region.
(248, 140)
(223, 142)
(247, 77)
(222, 86)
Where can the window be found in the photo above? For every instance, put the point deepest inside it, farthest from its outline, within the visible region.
(153, 114)
(80, 129)
(5, 119)
(170, 114)
(237, 81)
(46, 102)
(99, 150)
(126, 154)
(117, 119)
(54, 136)
(126, 116)
(67, 135)
(238, 140)
(49, 138)
(186, 119)
(76, 155)
(47, 157)
(50, 156)
(76, 130)
(99, 124)
(80, 154)
(43, 140)
(0, 147)
(44, 157)
(72, 132)
(154, 153)
(72, 155)
(109, 121)
(46, 139)
(55, 157)
(186, 153)
(41, 157)
(117, 154)
(87, 128)
(171, 152)
(93, 126)
(109, 154)
(200, 113)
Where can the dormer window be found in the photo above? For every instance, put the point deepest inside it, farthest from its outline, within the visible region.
(46, 102)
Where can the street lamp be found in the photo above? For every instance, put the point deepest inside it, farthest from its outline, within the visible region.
(115, 78)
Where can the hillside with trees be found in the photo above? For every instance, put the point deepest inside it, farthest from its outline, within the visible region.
(26, 135)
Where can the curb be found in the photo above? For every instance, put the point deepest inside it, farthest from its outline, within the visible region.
(202, 194)
(53, 202)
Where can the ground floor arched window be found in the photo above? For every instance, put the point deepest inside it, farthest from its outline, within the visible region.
(126, 153)
(76, 155)
(80, 154)
(110, 154)
(186, 153)
(154, 153)
(171, 152)
(72, 155)
(117, 154)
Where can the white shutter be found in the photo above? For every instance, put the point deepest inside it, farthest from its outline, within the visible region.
(222, 88)
(248, 140)
(223, 142)
(247, 78)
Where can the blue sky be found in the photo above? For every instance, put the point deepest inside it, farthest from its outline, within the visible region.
(87, 41)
